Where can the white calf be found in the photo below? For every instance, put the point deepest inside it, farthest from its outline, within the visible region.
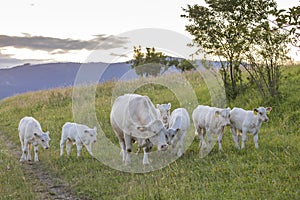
(79, 134)
(210, 120)
(247, 121)
(164, 113)
(178, 126)
(30, 133)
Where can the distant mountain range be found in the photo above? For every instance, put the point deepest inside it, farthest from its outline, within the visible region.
(29, 77)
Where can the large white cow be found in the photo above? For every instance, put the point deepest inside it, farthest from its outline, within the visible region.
(30, 133)
(209, 120)
(247, 121)
(164, 112)
(80, 135)
(179, 124)
(134, 117)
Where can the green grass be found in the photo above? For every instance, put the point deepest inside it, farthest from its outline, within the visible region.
(13, 182)
(271, 172)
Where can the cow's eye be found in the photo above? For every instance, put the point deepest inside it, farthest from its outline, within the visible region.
(260, 113)
(173, 136)
(43, 140)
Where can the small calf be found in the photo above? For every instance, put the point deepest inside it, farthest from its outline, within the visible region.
(30, 133)
(210, 120)
(247, 121)
(179, 124)
(164, 113)
(79, 134)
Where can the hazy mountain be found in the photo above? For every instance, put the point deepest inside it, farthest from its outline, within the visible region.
(28, 77)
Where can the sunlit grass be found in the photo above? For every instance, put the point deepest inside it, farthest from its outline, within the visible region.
(272, 172)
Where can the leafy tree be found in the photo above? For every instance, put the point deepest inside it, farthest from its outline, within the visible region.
(149, 63)
(267, 55)
(224, 29)
(289, 20)
(152, 62)
(269, 50)
(185, 65)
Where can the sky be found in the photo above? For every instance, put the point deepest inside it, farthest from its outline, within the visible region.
(40, 31)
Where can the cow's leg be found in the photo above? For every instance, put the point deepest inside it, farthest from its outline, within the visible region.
(244, 138)
(61, 144)
(128, 145)
(145, 158)
(89, 149)
(24, 150)
(29, 152)
(180, 143)
(36, 150)
(79, 147)
(201, 134)
(221, 133)
(123, 149)
(68, 146)
(255, 138)
(235, 136)
(209, 140)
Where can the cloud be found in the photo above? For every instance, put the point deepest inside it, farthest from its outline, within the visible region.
(7, 61)
(54, 45)
(118, 55)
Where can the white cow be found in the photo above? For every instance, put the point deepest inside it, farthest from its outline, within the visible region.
(164, 113)
(179, 124)
(134, 117)
(30, 133)
(208, 120)
(78, 134)
(247, 121)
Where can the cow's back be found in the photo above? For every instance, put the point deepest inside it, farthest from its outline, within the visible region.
(180, 119)
(73, 130)
(27, 126)
(200, 115)
(131, 110)
(238, 116)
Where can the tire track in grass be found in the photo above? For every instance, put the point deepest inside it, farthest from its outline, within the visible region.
(45, 185)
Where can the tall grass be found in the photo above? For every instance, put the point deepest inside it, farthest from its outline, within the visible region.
(271, 172)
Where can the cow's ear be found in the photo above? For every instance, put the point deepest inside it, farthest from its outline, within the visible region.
(48, 133)
(157, 105)
(177, 130)
(36, 135)
(217, 113)
(95, 128)
(169, 104)
(268, 109)
(255, 111)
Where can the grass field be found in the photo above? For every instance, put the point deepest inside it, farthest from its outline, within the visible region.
(271, 172)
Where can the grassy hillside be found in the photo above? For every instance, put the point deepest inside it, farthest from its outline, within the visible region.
(272, 172)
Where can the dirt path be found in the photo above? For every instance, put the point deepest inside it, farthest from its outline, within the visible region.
(45, 186)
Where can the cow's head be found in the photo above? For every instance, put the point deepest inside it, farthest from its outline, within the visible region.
(164, 112)
(91, 135)
(155, 132)
(42, 139)
(261, 113)
(224, 116)
(170, 134)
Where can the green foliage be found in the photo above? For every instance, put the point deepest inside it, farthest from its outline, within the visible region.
(289, 20)
(271, 172)
(153, 63)
(239, 32)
